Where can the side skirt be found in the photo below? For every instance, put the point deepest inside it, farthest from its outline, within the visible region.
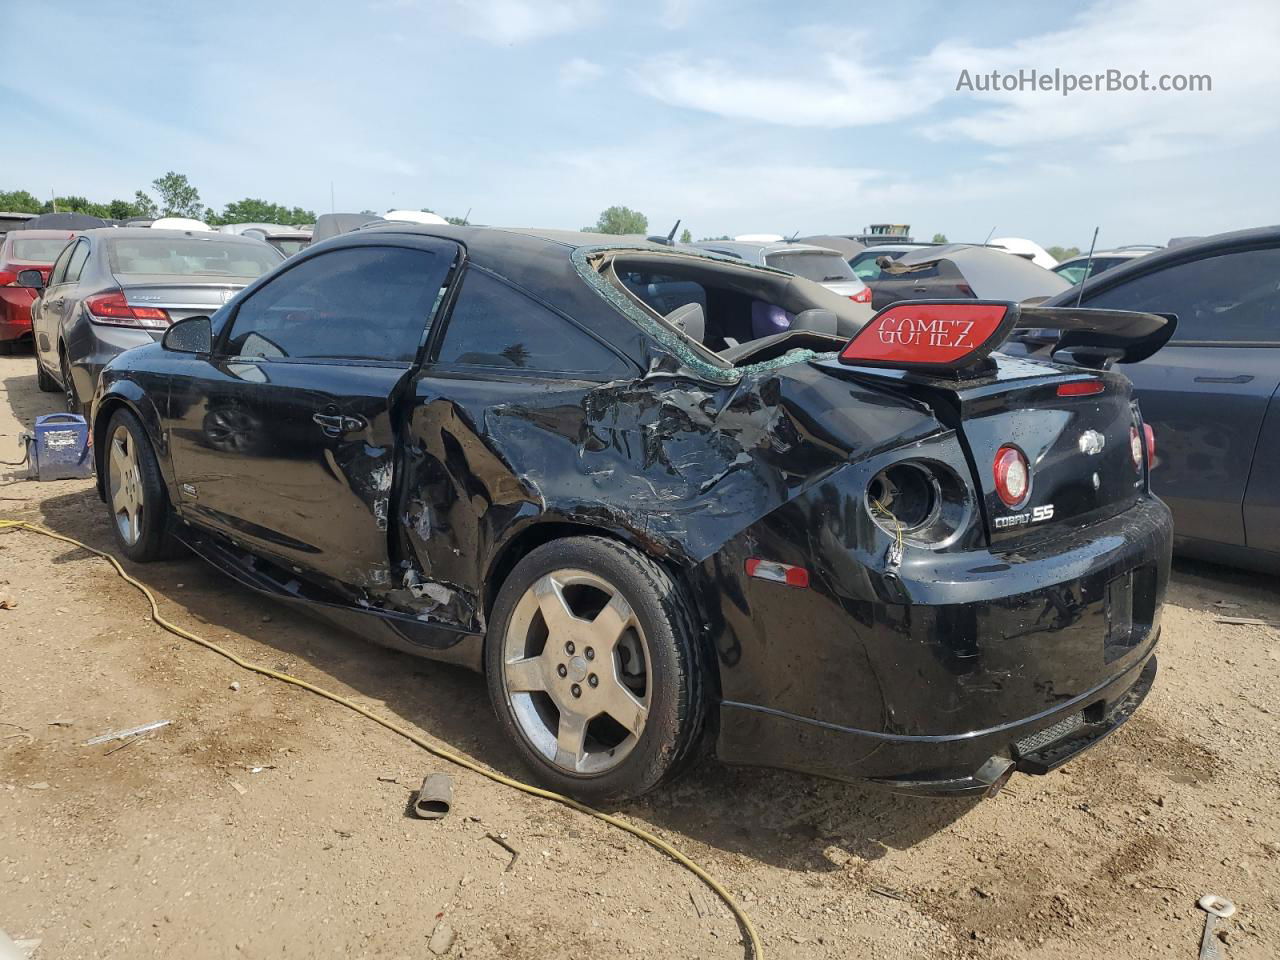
(399, 631)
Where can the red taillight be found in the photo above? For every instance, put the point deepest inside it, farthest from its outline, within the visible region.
(777, 572)
(1150, 435)
(114, 310)
(862, 296)
(1081, 388)
(1013, 476)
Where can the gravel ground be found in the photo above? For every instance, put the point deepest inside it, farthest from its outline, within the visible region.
(172, 845)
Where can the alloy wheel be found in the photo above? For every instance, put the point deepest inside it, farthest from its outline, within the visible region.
(575, 669)
(124, 481)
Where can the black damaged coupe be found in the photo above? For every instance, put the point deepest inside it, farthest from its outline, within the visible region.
(861, 547)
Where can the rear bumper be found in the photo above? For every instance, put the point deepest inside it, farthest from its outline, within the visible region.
(963, 669)
(974, 763)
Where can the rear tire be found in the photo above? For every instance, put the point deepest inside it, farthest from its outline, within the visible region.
(69, 385)
(594, 668)
(137, 502)
(45, 382)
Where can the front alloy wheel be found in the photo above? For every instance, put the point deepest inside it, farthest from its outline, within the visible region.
(136, 499)
(124, 485)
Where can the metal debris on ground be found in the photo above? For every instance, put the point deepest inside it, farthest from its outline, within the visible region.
(435, 797)
(7, 604)
(131, 732)
(500, 841)
(1243, 621)
(886, 892)
(1215, 908)
(238, 787)
(388, 780)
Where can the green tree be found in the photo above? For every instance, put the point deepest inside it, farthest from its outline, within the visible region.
(939, 238)
(124, 209)
(1063, 253)
(144, 205)
(252, 210)
(178, 198)
(712, 239)
(619, 220)
(686, 236)
(19, 201)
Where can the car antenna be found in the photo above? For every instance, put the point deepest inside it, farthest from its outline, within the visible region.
(792, 238)
(672, 235)
(1088, 265)
(466, 218)
(987, 241)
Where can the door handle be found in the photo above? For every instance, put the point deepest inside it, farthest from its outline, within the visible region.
(1238, 378)
(335, 425)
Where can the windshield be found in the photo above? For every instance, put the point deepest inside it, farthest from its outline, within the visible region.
(288, 246)
(38, 249)
(822, 267)
(182, 256)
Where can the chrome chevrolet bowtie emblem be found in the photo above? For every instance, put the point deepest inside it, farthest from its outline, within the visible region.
(1092, 442)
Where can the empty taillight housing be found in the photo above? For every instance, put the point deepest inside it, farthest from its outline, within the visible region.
(114, 310)
(1012, 476)
(862, 296)
(920, 502)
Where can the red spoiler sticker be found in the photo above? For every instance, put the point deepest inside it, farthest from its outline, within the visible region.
(931, 335)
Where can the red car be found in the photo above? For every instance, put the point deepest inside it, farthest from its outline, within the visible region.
(24, 250)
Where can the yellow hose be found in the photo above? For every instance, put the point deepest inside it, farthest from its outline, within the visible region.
(752, 940)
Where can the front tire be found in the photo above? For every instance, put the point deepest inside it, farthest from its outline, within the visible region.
(594, 668)
(136, 497)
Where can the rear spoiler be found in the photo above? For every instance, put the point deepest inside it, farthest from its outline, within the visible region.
(956, 337)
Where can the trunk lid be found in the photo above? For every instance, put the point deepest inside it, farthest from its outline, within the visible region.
(1082, 469)
(180, 297)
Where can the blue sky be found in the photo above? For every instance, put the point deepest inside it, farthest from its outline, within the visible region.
(733, 115)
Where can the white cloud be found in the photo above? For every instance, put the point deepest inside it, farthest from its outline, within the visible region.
(576, 72)
(837, 91)
(522, 21)
(1234, 43)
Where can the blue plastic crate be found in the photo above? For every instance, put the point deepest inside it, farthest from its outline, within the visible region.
(60, 450)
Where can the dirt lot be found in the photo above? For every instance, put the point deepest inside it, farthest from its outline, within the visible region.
(172, 846)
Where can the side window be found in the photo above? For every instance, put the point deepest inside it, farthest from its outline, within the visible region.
(59, 271)
(75, 266)
(493, 325)
(357, 303)
(1234, 296)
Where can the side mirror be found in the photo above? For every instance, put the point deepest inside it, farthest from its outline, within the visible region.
(192, 335)
(32, 279)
